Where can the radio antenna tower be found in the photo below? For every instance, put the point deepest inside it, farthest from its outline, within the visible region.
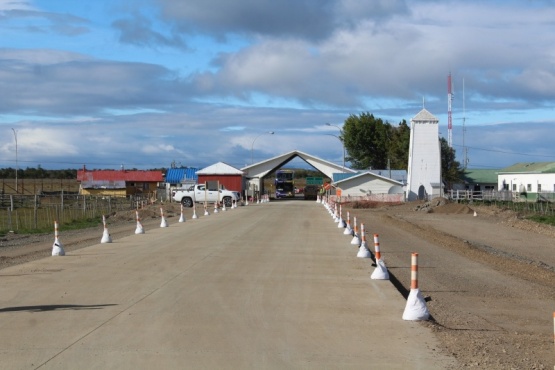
(449, 117)
(465, 149)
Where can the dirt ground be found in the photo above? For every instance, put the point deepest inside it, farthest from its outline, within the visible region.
(487, 274)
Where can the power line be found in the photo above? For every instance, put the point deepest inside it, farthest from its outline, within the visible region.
(506, 152)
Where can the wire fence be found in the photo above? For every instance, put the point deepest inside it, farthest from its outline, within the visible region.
(27, 213)
(527, 203)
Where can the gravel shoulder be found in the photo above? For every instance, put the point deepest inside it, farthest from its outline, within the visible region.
(489, 277)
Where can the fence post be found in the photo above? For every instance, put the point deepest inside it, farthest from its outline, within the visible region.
(10, 219)
(35, 213)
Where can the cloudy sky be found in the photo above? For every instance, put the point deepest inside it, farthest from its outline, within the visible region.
(144, 83)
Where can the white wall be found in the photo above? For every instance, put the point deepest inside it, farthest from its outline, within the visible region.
(527, 181)
(370, 185)
(424, 167)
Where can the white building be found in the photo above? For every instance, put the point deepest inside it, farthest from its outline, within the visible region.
(370, 186)
(424, 168)
(528, 181)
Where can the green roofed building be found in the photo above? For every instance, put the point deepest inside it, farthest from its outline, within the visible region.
(533, 181)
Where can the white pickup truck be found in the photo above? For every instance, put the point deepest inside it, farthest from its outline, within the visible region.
(199, 194)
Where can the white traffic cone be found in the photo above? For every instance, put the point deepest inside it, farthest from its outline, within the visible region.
(206, 210)
(475, 214)
(223, 206)
(194, 212)
(380, 272)
(216, 207)
(356, 239)
(139, 229)
(348, 230)
(57, 247)
(416, 304)
(163, 222)
(182, 217)
(106, 238)
(363, 251)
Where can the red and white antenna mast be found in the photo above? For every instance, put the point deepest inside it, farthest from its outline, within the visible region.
(449, 117)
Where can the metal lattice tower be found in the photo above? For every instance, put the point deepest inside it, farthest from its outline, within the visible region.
(449, 116)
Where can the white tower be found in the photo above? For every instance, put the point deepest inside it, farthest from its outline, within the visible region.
(424, 169)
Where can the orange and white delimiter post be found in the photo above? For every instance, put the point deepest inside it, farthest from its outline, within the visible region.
(380, 272)
(356, 239)
(363, 251)
(348, 230)
(377, 252)
(414, 271)
(416, 305)
(106, 238)
(139, 229)
(57, 247)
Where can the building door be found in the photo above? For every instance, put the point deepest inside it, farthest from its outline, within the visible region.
(421, 192)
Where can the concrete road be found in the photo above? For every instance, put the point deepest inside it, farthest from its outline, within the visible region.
(266, 286)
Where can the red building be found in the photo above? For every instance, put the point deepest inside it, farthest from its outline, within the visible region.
(228, 176)
(118, 182)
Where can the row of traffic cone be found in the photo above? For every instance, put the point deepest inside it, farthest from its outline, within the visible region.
(58, 250)
(415, 308)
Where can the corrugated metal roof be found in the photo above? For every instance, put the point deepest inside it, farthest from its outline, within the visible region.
(180, 175)
(339, 176)
(397, 175)
(481, 176)
(119, 175)
(367, 173)
(103, 184)
(537, 167)
(220, 168)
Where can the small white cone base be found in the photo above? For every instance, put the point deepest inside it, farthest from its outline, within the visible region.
(363, 251)
(58, 248)
(340, 223)
(164, 223)
(355, 240)
(181, 218)
(106, 238)
(223, 208)
(194, 213)
(416, 307)
(139, 229)
(206, 213)
(348, 230)
(380, 272)
(475, 214)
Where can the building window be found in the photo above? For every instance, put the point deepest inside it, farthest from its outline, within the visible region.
(514, 187)
(529, 187)
(539, 188)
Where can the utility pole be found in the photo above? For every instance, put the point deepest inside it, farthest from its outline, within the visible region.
(16, 163)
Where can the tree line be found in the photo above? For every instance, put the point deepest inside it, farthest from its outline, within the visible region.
(41, 173)
(37, 173)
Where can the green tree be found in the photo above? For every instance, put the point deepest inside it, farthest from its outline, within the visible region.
(451, 170)
(399, 146)
(366, 138)
(372, 143)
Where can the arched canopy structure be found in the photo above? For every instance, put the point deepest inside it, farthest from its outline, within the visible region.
(257, 171)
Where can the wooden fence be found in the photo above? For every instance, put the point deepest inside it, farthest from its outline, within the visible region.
(38, 186)
(501, 196)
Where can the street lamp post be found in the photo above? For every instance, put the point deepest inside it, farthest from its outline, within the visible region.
(252, 146)
(340, 139)
(16, 163)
